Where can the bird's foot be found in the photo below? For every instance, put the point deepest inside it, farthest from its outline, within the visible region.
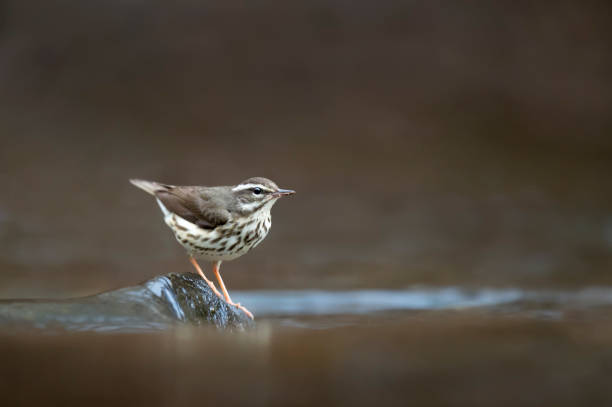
(221, 296)
(243, 309)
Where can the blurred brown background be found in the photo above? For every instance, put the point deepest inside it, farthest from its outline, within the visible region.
(430, 142)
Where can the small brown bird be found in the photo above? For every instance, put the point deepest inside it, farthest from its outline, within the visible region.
(217, 223)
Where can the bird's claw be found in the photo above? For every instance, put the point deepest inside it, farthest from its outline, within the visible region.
(243, 309)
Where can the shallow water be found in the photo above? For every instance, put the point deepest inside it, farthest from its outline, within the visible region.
(433, 347)
(304, 309)
(423, 346)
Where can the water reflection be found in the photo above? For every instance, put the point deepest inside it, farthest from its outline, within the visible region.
(307, 302)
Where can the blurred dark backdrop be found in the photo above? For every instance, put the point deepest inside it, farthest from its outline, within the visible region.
(432, 142)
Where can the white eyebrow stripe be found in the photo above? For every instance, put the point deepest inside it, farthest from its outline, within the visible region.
(242, 187)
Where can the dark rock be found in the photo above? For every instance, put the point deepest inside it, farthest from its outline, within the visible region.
(159, 303)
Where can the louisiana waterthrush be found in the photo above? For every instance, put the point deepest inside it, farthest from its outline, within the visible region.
(217, 223)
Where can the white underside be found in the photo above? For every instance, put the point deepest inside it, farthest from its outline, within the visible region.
(185, 230)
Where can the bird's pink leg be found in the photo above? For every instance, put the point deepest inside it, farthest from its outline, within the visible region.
(210, 283)
(225, 293)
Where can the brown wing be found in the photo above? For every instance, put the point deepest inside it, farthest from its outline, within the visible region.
(187, 202)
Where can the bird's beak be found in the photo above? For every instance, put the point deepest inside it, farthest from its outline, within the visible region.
(283, 192)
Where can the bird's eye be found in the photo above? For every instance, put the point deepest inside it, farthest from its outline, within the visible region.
(257, 190)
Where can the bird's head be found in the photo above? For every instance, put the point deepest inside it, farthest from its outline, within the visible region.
(257, 194)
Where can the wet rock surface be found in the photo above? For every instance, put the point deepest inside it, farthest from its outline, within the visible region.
(158, 303)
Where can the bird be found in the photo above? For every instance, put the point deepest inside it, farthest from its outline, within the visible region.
(218, 223)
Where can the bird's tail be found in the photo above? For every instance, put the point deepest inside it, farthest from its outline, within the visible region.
(150, 186)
